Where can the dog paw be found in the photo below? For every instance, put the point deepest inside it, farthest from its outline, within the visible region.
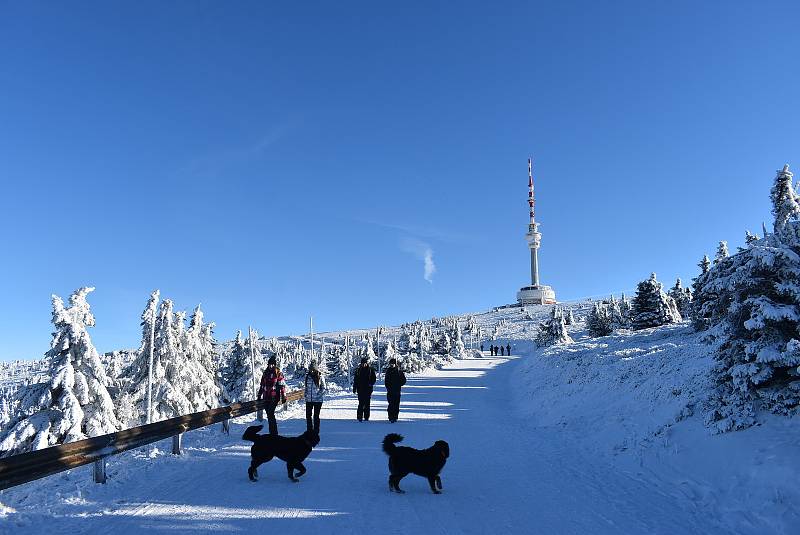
(437, 491)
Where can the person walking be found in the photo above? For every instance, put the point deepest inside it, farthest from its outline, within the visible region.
(508, 349)
(481, 348)
(394, 381)
(363, 383)
(502, 351)
(314, 394)
(273, 390)
(491, 350)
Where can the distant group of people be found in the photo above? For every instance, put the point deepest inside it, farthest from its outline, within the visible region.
(273, 391)
(493, 349)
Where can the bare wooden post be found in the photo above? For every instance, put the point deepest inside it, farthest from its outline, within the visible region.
(99, 471)
(176, 444)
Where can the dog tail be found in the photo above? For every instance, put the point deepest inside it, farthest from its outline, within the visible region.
(389, 442)
(251, 433)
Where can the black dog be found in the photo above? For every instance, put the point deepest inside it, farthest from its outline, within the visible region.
(404, 460)
(292, 450)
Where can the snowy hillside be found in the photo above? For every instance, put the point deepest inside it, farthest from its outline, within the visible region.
(599, 436)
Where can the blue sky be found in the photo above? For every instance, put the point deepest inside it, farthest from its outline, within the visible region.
(272, 160)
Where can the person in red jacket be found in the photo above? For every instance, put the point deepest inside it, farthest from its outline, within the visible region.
(273, 390)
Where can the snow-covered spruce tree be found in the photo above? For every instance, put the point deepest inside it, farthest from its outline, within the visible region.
(625, 310)
(444, 344)
(200, 341)
(756, 322)
(652, 307)
(600, 322)
(722, 252)
(569, 318)
(457, 350)
(554, 330)
(784, 199)
(75, 403)
(683, 299)
(237, 374)
(750, 238)
(700, 312)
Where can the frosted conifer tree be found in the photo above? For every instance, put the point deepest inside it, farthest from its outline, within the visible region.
(682, 299)
(704, 265)
(237, 374)
(75, 403)
(785, 207)
(722, 252)
(600, 321)
(444, 344)
(554, 330)
(457, 350)
(136, 372)
(755, 321)
(652, 307)
(750, 238)
(569, 318)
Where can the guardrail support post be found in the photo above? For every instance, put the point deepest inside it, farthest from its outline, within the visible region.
(99, 471)
(226, 427)
(176, 444)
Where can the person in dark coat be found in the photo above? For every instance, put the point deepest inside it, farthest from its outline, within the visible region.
(273, 391)
(502, 350)
(363, 383)
(481, 348)
(394, 381)
(508, 349)
(491, 350)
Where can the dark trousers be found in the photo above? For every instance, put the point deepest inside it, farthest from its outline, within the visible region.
(273, 423)
(363, 405)
(394, 405)
(313, 424)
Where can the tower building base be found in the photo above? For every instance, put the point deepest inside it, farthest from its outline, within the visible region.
(536, 295)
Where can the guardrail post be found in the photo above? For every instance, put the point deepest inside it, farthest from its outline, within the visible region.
(176, 444)
(99, 471)
(226, 427)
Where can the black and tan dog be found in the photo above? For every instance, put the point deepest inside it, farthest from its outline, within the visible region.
(292, 450)
(404, 460)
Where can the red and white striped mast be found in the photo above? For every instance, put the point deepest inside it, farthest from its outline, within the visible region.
(533, 237)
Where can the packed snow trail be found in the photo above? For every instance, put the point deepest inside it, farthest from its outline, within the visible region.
(503, 475)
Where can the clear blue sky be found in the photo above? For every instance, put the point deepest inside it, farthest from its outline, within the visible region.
(273, 160)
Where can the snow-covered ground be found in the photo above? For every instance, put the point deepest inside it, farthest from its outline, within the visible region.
(595, 437)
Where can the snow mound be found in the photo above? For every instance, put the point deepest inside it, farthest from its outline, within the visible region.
(635, 400)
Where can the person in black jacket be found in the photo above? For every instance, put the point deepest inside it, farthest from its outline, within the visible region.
(363, 382)
(508, 349)
(394, 381)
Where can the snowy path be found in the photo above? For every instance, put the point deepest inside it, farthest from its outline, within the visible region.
(503, 475)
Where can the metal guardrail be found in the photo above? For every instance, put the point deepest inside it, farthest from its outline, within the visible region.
(25, 467)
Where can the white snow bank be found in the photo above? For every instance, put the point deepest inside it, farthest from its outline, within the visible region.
(635, 399)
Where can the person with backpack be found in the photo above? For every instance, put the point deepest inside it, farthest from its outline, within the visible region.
(508, 349)
(363, 383)
(502, 351)
(314, 394)
(273, 390)
(394, 381)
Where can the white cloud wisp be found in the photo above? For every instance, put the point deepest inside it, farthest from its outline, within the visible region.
(422, 251)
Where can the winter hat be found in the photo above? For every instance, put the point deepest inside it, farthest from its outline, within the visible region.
(393, 361)
(272, 360)
(312, 367)
(363, 360)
